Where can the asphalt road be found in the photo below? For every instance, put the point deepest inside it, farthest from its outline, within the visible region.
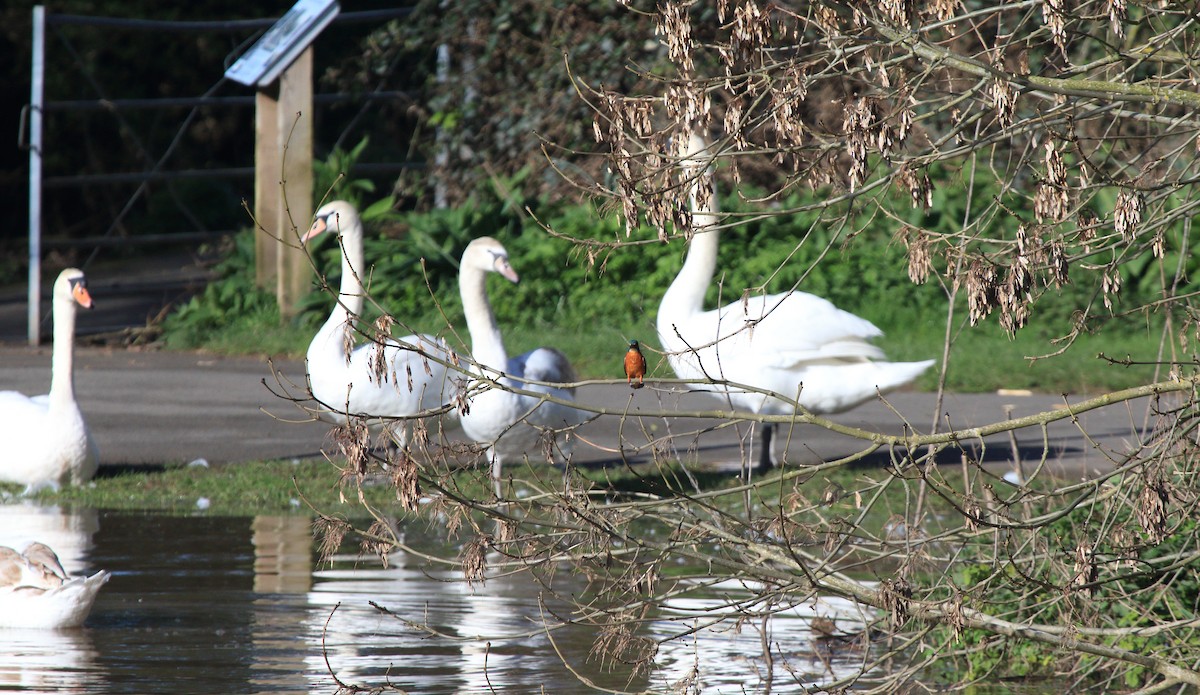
(149, 408)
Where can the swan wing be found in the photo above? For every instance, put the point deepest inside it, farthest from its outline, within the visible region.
(543, 364)
(795, 328)
(781, 331)
(549, 365)
(17, 404)
(407, 383)
(61, 607)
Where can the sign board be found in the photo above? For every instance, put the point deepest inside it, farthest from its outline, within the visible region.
(283, 42)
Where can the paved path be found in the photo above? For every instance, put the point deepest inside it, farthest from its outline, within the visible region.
(148, 408)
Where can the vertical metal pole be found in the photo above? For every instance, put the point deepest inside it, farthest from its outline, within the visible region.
(442, 157)
(35, 174)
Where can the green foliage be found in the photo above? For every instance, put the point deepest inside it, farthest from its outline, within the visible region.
(1153, 590)
(590, 300)
(596, 306)
(232, 312)
(509, 74)
(331, 180)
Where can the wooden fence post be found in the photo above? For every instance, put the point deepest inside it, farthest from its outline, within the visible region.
(283, 185)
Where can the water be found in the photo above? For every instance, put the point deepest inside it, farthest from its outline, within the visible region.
(237, 605)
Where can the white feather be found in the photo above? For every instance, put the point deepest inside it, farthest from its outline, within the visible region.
(345, 382)
(35, 591)
(795, 344)
(511, 424)
(47, 441)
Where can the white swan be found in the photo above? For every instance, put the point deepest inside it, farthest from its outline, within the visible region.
(344, 381)
(47, 442)
(36, 592)
(510, 424)
(794, 344)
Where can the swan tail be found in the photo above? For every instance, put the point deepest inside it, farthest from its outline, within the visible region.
(893, 375)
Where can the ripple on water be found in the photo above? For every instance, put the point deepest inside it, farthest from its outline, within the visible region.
(222, 604)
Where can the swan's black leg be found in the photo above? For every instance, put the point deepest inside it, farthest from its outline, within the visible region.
(765, 463)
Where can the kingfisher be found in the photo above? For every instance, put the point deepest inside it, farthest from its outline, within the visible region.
(635, 365)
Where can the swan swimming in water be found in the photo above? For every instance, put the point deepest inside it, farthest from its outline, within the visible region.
(36, 592)
(346, 381)
(47, 441)
(794, 344)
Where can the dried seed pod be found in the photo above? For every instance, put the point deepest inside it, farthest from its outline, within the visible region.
(1158, 244)
(1116, 11)
(377, 546)
(1110, 286)
(1127, 214)
(353, 441)
(863, 126)
(1054, 13)
(749, 32)
(1152, 510)
(981, 290)
(474, 558)
(406, 481)
(920, 261)
(1084, 572)
(917, 183)
(1088, 222)
(379, 361)
(673, 25)
(1057, 268)
(954, 615)
(348, 340)
(329, 533)
(1004, 100)
(901, 12)
(1052, 201)
(894, 597)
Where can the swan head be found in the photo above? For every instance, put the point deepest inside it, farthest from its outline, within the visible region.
(71, 287)
(337, 215)
(488, 255)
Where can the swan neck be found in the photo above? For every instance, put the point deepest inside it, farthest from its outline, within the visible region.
(487, 346)
(685, 296)
(328, 345)
(62, 374)
(351, 290)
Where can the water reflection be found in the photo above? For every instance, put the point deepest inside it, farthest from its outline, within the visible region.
(68, 532)
(728, 656)
(50, 661)
(411, 624)
(213, 604)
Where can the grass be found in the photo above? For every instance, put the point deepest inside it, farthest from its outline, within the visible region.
(234, 490)
(982, 358)
(299, 487)
(986, 360)
(302, 486)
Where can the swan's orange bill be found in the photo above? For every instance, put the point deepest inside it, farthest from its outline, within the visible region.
(80, 293)
(317, 227)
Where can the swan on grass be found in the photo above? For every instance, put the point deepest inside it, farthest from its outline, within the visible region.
(36, 592)
(402, 382)
(47, 442)
(794, 344)
(510, 424)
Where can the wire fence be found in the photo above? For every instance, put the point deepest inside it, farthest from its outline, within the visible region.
(106, 105)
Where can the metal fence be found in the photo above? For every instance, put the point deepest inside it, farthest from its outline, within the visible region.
(33, 138)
